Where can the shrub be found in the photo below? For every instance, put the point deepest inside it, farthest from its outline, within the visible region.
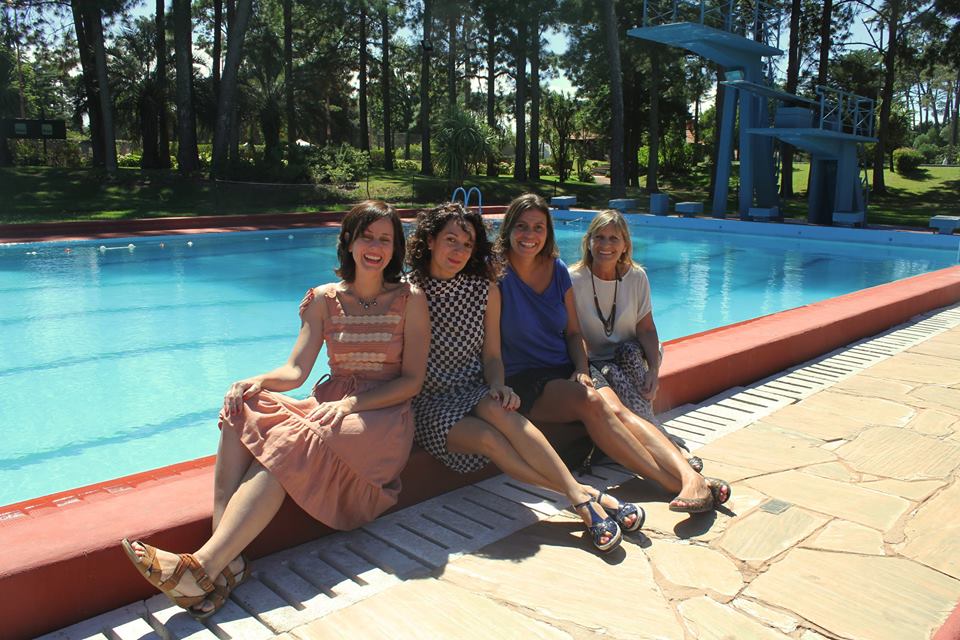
(907, 160)
(462, 139)
(130, 160)
(504, 168)
(546, 170)
(336, 165)
(407, 165)
(585, 176)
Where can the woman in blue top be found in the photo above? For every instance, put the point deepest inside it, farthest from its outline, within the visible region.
(546, 364)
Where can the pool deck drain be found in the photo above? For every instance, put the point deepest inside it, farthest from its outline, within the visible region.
(814, 521)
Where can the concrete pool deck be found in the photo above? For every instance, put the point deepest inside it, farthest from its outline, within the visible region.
(842, 524)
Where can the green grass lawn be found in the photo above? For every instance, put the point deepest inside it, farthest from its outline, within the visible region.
(41, 194)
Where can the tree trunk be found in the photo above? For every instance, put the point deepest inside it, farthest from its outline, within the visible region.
(493, 162)
(163, 126)
(954, 129)
(88, 67)
(364, 118)
(653, 157)
(218, 45)
(186, 118)
(826, 33)
(452, 60)
(520, 103)
(718, 111)
(233, 145)
(385, 72)
(618, 185)
(793, 75)
(106, 104)
(228, 86)
(889, 75)
(288, 80)
(426, 161)
(631, 128)
(535, 97)
(21, 89)
(147, 114)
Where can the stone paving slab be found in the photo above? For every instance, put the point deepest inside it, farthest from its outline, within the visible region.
(873, 598)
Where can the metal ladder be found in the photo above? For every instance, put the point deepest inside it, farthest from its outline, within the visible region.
(466, 197)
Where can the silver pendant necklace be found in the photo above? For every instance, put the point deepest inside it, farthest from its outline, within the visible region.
(606, 321)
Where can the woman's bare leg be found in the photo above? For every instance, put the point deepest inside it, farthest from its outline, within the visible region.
(250, 509)
(664, 453)
(566, 400)
(233, 462)
(475, 436)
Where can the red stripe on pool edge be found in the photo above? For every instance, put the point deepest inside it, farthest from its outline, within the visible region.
(951, 627)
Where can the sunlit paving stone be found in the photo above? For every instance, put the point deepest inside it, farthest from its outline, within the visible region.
(934, 423)
(832, 471)
(708, 620)
(815, 422)
(688, 565)
(762, 535)
(555, 575)
(873, 411)
(947, 397)
(849, 502)
(770, 617)
(766, 447)
(854, 596)
(900, 453)
(427, 608)
(917, 368)
(933, 534)
(848, 537)
(914, 490)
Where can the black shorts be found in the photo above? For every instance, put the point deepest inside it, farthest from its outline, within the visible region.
(529, 383)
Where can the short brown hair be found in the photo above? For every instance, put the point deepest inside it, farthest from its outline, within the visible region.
(361, 216)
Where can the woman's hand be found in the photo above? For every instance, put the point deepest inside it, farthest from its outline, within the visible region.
(331, 414)
(583, 378)
(651, 383)
(237, 393)
(505, 396)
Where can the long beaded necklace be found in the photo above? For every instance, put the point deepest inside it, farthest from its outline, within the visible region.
(607, 322)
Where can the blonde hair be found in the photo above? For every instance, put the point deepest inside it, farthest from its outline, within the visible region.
(601, 220)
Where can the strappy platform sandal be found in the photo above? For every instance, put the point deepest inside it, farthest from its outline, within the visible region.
(720, 489)
(149, 568)
(622, 511)
(695, 463)
(600, 527)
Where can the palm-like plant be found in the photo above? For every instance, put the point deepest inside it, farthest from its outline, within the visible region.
(462, 139)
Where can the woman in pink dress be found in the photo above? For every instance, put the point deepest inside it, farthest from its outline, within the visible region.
(337, 453)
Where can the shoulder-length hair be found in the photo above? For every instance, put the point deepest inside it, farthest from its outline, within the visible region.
(601, 220)
(357, 220)
(430, 222)
(517, 207)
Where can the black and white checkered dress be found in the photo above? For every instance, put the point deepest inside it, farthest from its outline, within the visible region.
(454, 383)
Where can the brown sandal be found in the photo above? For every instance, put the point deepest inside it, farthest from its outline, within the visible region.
(149, 568)
(720, 489)
(692, 505)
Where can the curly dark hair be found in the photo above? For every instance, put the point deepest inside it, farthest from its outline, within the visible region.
(430, 222)
(517, 207)
(361, 216)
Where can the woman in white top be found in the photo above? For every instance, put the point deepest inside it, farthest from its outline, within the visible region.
(612, 296)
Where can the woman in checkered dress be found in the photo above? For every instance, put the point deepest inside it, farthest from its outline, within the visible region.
(465, 415)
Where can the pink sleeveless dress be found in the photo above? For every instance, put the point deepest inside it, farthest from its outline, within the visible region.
(343, 477)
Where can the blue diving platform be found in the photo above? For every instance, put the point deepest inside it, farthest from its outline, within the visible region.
(832, 127)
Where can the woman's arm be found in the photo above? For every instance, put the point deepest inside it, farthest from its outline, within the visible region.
(576, 347)
(650, 341)
(492, 358)
(413, 369)
(295, 370)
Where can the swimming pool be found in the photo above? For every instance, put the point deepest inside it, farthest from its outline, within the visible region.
(114, 360)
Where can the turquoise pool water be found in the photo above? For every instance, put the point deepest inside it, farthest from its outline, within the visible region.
(114, 361)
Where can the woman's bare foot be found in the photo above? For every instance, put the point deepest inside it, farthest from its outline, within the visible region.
(610, 505)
